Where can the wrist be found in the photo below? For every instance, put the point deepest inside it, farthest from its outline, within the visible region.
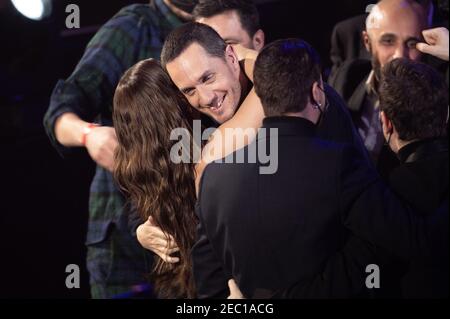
(87, 129)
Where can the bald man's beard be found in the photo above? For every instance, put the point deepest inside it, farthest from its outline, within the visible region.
(376, 67)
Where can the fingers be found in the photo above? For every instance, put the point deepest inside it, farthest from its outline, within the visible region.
(168, 251)
(153, 238)
(430, 36)
(435, 35)
(232, 285)
(157, 232)
(160, 248)
(240, 51)
(235, 292)
(159, 243)
(442, 52)
(165, 252)
(425, 48)
(168, 259)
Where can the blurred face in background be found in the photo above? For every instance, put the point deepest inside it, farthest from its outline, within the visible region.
(229, 26)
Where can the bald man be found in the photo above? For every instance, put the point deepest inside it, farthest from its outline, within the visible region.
(346, 39)
(393, 29)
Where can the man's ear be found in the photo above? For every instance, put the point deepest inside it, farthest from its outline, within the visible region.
(317, 93)
(388, 128)
(366, 41)
(259, 39)
(231, 58)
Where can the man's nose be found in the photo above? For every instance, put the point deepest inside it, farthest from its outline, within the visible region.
(401, 52)
(206, 97)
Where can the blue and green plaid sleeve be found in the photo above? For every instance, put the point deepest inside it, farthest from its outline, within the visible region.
(131, 35)
(135, 33)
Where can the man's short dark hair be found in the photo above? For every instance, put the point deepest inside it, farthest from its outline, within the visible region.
(284, 74)
(414, 97)
(246, 10)
(181, 38)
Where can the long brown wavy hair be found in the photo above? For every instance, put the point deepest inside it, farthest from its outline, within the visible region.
(147, 107)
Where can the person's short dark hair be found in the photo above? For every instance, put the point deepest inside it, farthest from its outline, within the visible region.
(284, 74)
(181, 38)
(414, 98)
(246, 10)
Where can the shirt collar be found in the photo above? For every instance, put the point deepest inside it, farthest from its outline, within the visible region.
(370, 83)
(371, 91)
(290, 125)
(419, 150)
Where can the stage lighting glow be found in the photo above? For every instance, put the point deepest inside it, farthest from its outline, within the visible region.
(33, 9)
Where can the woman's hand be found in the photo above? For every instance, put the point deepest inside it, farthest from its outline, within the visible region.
(243, 53)
(248, 56)
(151, 237)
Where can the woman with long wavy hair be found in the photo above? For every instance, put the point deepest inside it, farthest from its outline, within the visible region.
(147, 107)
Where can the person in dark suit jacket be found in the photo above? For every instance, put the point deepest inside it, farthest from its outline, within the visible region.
(347, 43)
(270, 231)
(421, 180)
(415, 126)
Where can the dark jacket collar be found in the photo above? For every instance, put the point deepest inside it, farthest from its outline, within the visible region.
(423, 149)
(290, 125)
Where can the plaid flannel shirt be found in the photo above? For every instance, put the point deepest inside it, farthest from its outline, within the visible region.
(135, 33)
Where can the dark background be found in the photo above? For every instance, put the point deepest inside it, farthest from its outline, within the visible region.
(43, 208)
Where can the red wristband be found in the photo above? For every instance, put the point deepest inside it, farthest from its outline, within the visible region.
(86, 131)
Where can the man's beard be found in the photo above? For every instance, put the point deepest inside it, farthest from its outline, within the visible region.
(376, 67)
(185, 5)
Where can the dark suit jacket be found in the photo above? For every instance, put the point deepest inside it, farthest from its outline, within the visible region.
(337, 125)
(347, 43)
(350, 83)
(270, 231)
(422, 181)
